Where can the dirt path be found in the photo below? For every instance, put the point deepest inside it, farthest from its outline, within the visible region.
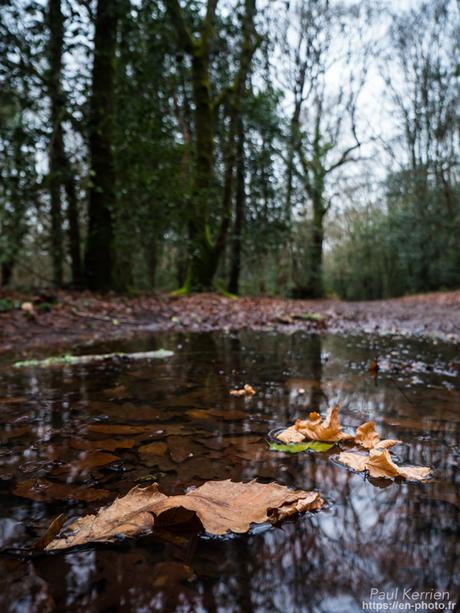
(68, 318)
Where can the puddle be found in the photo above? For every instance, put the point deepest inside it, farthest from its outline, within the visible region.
(74, 437)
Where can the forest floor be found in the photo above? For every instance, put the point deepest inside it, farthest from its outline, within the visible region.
(44, 320)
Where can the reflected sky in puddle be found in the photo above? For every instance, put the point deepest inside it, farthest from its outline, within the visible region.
(75, 437)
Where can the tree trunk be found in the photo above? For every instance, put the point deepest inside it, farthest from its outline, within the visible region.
(202, 262)
(240, 198)
(314, 288)
(74, 227)
(204, 252)
(60, 170)
(55, 46)
(99, 256)
(7, 272)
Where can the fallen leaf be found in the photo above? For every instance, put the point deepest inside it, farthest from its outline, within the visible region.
(42, 490)
(316, 429)
(104, 444)
(27, 307)
(220, 506)
(246, 390)
(356, 461)
(158, 448)
(49, 535)
(118, 429)
(380, 465)
(318, 446)
(367, 437)
(88, 460)
(290, 435)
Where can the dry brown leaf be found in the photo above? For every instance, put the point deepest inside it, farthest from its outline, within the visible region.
(380, 465)
(220, 506)
(118, 429)
(317, 429)
(87, 461)
(246, 390)
(158, 448)
(291, 435)
(367, 437)
(104, 444)
(356, 461)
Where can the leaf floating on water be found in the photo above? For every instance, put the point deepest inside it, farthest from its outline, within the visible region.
(368, 438)
(220, 506)
(88, 359)
(356, 461)
(246, 390)
(380, 465)
(317, 446)
(316, 429)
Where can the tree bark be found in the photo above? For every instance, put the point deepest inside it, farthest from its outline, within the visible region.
(240, 201)
(204, 251)
(7, 272)
(314, 287)
(99, 256)
(55, 46)
(60, 170)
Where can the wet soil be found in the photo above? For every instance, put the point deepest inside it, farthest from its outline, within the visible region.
(61, 320)
(75, 437)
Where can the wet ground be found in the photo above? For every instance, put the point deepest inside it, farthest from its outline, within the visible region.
(74, 437)
(33, 321)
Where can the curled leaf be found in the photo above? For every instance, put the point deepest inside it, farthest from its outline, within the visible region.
(220, 506)
(380, 465)
(290, 435)
(317, 429)
(367, 437)
(356, 461)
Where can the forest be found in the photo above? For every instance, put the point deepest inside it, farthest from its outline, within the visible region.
(301, 148)
(229, 306)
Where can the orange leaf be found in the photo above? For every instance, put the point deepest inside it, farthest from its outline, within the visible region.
(317, 429)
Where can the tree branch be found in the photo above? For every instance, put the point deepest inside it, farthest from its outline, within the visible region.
(184, 36)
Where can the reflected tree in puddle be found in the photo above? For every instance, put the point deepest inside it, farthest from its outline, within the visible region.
(88, 429)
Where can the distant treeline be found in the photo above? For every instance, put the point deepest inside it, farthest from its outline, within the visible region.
(301, 148)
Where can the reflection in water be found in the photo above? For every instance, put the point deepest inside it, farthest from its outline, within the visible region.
(75, 437)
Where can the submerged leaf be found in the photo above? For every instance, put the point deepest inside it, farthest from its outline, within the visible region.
(220, 506)
(299, 447)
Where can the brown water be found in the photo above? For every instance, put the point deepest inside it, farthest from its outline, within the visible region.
(75, 437)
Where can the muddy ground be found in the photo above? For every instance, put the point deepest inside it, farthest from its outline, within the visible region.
(45, 320)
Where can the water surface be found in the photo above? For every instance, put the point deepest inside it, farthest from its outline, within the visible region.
(75, 437)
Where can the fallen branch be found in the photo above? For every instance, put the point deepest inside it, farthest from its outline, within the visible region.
(87, 359)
